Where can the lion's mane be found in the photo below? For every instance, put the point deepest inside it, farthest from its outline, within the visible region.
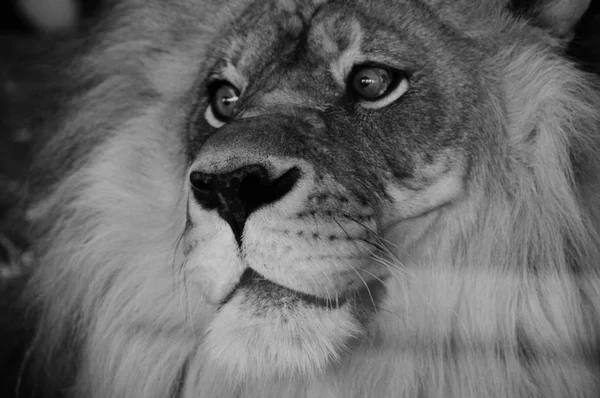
(500, 297)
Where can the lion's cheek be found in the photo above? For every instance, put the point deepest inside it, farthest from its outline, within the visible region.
(251, 338)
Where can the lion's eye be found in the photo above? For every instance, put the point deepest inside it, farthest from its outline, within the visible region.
(223, 103)
(376, 86)
(371, 83)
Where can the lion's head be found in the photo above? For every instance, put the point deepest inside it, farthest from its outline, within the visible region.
(323, 198)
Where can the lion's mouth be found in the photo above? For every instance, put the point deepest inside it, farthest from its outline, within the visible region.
(254, 282)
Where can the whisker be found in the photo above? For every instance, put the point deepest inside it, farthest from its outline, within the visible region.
(354, 268)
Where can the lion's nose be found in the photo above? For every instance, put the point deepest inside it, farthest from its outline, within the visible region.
(238, 193)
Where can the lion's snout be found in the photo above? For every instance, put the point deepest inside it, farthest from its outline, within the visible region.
(235, 194)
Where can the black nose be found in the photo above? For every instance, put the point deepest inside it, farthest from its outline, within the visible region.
(238, 193)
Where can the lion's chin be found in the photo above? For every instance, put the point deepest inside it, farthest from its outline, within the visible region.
(275, 295)
(264, 330)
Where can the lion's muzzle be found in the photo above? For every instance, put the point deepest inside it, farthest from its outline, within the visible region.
(263, 202)
(238, 193)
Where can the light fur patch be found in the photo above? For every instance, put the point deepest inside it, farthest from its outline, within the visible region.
(350, 56)
(213, 262)
(51, 15)
(320, 35)
(233, 75)
(413, 202)
(283, 98)
(300, 342)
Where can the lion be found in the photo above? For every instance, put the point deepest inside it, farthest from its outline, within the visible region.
(286, 198)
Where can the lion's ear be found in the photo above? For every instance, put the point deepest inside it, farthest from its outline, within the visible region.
(559, 16)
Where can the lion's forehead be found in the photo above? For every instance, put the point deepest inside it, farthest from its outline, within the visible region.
(325, 32)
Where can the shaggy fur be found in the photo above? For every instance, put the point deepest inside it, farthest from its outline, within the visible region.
(490, 270)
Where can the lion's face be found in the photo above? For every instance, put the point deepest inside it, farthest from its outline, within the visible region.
(319, 132)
